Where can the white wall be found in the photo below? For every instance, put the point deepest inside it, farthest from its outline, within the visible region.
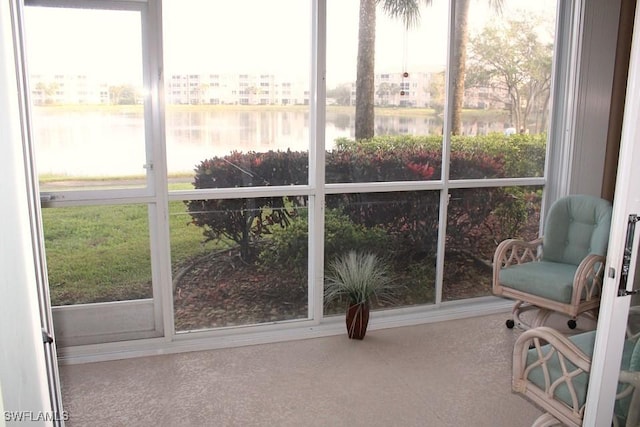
(23, 378)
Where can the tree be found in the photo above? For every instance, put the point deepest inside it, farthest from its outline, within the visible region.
(437, 92)
(341, 94)
(512, 58)
(409, 12)
(459, 63)
(366, 71)
(123, 94)
(386, 91)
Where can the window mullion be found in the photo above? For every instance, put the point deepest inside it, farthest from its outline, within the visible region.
(156, 152)
(317, 159)
(446, 155)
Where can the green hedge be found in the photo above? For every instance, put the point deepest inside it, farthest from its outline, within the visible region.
(523, 155)
(412, 219)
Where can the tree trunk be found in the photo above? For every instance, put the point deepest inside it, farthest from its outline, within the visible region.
(365, 90)
(519, 113)
(459, 63)
(245, 248)
(545, 112)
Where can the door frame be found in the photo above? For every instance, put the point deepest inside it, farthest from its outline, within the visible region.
(614, 308)
(95, 323)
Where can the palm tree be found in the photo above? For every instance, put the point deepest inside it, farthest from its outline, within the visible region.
(409, 12)
(459, 64)
(365, 74)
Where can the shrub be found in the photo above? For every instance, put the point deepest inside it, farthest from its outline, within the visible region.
(522, 154)
(288, 246)
(253, 169)
(411, 220)
(245, 220)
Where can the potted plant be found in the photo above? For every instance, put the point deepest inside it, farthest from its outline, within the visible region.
(358, 278)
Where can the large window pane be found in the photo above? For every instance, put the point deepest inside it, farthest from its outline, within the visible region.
(97, 253)
(501, 73)
(239, 261)
(237, 103)
(237, 79)
(398, 97)
(401, 228)
(87, 90)
(479, 219)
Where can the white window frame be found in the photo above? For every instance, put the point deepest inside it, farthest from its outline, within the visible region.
(316, 191)
(85, 324)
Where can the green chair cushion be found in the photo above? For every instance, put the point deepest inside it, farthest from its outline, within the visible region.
(576, 226)
(585, 342)
(545, 279)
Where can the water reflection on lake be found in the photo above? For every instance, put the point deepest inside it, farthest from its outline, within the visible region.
(94, 143)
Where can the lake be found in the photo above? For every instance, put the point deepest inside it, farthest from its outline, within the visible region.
(111, 143)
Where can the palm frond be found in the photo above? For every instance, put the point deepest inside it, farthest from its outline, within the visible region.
(496, 6)
(406, 10)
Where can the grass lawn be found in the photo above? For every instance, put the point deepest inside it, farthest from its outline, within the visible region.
(102, 253)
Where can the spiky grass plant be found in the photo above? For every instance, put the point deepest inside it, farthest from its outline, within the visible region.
(359, 277)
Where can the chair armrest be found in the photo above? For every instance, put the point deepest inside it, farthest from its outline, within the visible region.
(632, 380)
(587, 282)
(556, 345)
(543, 335)
(514, 251)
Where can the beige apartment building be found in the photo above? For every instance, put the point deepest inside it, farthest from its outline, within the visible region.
(414, 90)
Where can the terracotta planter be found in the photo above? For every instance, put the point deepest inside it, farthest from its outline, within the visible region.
(357, 320)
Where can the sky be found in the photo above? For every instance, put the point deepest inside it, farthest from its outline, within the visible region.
(252, 36)
(275, 36)
(105, 44)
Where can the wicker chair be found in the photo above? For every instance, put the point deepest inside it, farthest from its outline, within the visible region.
(553, 372)
(561, 271)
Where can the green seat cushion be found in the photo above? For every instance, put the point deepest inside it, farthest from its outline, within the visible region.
(585, 342)
(545, 279)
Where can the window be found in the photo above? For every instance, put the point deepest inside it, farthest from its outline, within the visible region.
(83, 148)
(244, 193)
(243, 284)
(399, 132)
(95, 152)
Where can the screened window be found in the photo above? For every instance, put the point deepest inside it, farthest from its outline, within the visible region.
(425, 142)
